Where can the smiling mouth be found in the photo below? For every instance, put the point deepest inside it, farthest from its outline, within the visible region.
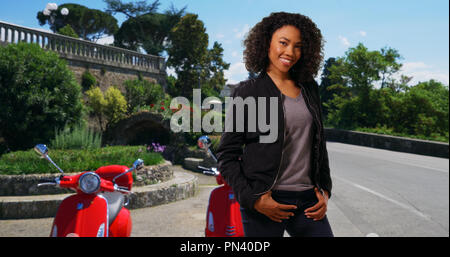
(286, 61)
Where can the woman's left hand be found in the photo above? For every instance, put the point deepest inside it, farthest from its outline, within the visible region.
(318, 211)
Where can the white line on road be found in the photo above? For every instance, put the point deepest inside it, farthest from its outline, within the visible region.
(407, 207)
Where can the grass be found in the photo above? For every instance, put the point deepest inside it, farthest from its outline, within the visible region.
(29, 162)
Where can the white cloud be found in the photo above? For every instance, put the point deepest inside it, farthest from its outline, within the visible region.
(171, 71)
(106, 40)
(344, 41)
(241, 32)
(422, 72)
(363, 33)
(220, 35)
(236, 73)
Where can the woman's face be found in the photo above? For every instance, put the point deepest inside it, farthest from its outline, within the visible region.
(284, 50)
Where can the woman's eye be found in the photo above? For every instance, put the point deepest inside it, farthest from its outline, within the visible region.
(283, 43)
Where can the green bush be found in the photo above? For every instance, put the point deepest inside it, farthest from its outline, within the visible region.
(28, 162)
(68, 31)
(142, 93)
(78, 137)
(109, 107)
(88, 80)
(422, 111)
(38, 93)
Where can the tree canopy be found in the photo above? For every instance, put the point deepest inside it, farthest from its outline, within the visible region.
(89, 24)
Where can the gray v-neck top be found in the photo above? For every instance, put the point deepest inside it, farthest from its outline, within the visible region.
(296, 160)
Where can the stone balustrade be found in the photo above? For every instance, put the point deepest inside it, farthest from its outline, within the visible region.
(81, 50)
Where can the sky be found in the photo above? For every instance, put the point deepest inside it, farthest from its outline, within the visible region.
(418, 29)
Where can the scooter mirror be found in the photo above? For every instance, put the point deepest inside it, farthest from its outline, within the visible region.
(41, 149)
(204, 142)
(138, 163)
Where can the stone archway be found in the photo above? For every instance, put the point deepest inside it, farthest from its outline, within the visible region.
(141, 128)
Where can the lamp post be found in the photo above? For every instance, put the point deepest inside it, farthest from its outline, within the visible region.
(49, 11)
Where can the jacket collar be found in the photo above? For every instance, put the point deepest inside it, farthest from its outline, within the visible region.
(270, 85)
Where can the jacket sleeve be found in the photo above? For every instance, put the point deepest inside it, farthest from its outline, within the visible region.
(324, 167)
(229, 164)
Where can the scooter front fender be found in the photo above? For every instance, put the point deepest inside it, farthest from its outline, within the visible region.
(82, 215)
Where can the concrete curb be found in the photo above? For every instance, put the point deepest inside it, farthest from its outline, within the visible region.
(182, 186)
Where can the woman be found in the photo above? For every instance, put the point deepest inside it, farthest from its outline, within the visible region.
(286, 184)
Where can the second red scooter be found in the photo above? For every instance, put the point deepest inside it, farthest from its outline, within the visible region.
(223, 215)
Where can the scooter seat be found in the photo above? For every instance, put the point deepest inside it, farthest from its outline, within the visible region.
(115, 204)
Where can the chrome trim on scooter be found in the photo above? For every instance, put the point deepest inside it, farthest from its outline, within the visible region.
(107, 214)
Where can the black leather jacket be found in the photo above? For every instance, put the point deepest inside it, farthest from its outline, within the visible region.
(250, 167)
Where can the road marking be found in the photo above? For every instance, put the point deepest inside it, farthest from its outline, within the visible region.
(407, 207)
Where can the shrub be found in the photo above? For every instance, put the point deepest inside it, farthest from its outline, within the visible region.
(78, 137)
(116, 105)
(28, 162)
(109, 107)
(68, 31)
(141, 93)
(88, 80)
(38, 93)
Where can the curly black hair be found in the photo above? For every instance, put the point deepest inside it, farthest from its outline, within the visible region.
(258, 40)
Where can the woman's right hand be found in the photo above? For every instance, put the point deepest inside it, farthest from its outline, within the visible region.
(272, 209)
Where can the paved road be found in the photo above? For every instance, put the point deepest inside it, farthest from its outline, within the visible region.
(375, 192)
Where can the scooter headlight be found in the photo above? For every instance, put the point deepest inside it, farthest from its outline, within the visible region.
(89, 182)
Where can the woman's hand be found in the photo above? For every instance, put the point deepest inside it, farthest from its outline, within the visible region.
(272, 209)
(318, 211)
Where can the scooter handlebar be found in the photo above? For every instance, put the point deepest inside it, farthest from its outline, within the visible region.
(48, 182)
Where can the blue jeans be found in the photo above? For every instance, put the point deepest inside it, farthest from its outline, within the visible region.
(259, 225)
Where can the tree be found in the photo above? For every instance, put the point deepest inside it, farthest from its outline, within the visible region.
(89, 24)
(329, 87)
(38, 94)
(214, 75)
(389, 65)
(194, 64)
(187, 57)
(152, 36)
(68, 31)
(359, 69)
(144, 27)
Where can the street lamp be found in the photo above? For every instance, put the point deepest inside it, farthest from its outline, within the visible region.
(48, 11)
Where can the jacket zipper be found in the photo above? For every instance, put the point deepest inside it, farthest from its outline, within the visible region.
(319, 128)
(282, 148)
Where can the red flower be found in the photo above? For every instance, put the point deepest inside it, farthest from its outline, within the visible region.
(151, 105)
(162, 103)
(162, 108)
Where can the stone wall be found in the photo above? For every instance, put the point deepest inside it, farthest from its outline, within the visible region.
(109, 75)
(20, 185)
(393, 143)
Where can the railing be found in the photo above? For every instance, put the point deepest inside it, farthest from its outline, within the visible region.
(72, 48)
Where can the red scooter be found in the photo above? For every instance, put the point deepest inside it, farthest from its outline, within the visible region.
(223, 216)
(98, 207)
